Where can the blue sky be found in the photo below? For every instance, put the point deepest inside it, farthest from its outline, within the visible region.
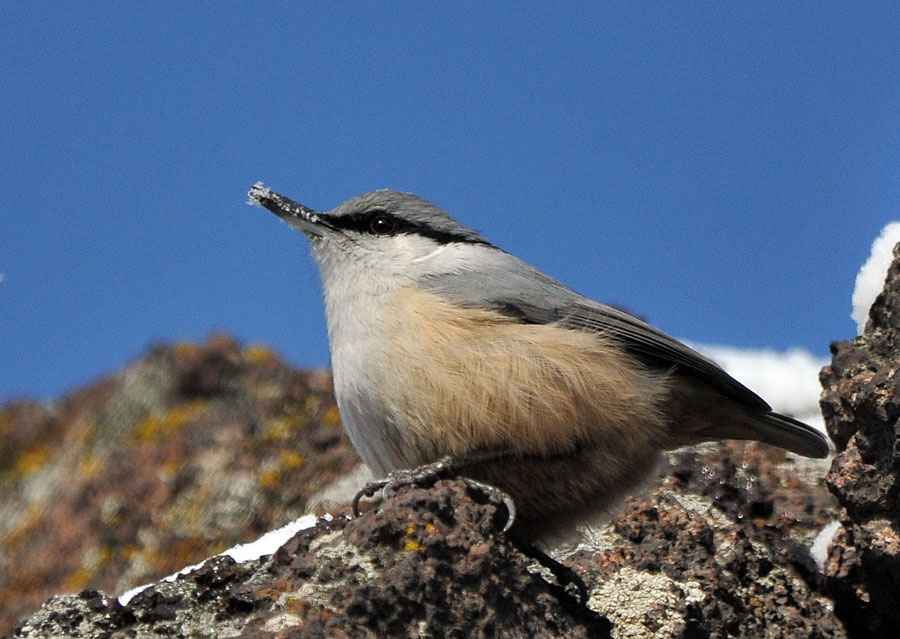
(719, 169)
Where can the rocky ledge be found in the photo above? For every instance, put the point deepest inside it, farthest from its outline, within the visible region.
(861, 404)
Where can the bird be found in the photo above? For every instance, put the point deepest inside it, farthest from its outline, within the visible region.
(444, 346)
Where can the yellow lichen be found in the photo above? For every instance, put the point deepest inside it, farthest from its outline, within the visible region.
(280, 429)
(157, 427)
(290, 460)
(77, 579)
(184, 350)
(268, 479)
(410, 546)
(258, 354)
(331, 416)
(146, 429)
(31, 461)
(89, 466)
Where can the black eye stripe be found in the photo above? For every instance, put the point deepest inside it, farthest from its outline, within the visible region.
(367, 222)
(377, 222)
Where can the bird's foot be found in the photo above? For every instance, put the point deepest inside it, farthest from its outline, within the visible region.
(428, 474)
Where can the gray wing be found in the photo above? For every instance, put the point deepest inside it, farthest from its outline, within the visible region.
(647, 344)
(520, 291)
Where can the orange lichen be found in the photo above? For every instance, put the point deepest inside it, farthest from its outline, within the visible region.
(267, 390)
(7, 421)
(84, 432)
(170, 468)
(24, 526)
(277, 589)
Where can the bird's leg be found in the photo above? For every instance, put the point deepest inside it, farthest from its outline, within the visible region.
(447, 467)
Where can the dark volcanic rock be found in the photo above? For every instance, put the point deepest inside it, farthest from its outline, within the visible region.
(695, 558)
(861, 404)
(427, 563)
(719, 550)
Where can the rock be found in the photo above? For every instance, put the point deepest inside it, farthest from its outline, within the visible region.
(861, 405)
(425, 563)
(716, 551)
(697, 557)
(189, 450)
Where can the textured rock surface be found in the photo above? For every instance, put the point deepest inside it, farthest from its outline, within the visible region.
(426, 564)
(188, 451)
(861, 404)
(716, 551)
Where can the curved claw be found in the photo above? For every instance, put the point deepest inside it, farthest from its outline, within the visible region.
(367, 491)
(496, 495)
(510, 513)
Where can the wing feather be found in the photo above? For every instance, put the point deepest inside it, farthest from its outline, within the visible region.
(645, 342)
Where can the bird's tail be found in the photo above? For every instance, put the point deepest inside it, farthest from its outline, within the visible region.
(771, 428)
(700, 413)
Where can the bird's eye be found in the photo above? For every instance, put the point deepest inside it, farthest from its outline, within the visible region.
(382, 224)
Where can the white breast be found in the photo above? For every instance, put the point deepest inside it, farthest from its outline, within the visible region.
(355, 299)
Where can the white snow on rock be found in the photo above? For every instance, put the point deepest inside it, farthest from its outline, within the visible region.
(819, 548)
(265, 545)
(871, 276)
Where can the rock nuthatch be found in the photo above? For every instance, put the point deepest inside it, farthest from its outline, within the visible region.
(443, 345)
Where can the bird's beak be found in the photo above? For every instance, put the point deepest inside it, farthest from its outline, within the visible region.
(303, 219)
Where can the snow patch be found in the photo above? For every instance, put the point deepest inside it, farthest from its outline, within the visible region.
(819, 548)
(265, 545)
(871, 276)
